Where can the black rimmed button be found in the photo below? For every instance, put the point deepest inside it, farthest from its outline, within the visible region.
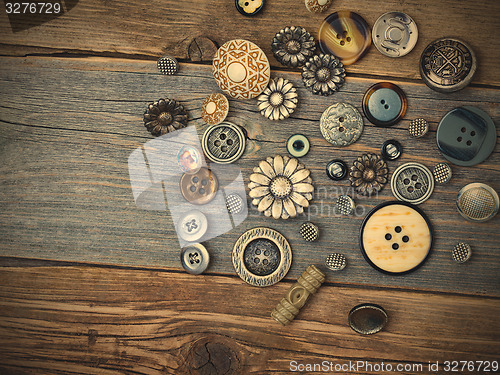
(391, 150)
(249, 7)
(298, 145)
(336, 169)
(384, 104)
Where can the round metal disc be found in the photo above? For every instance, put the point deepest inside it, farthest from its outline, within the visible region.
(341, 124)
(461, 253)
(336, 262)
(395, 34)
(367, 318)
(477, 202)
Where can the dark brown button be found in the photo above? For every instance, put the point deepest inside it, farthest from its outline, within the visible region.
(200, 187)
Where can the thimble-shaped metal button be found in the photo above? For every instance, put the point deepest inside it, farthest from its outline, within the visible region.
(309, 231)
(167, 65)
(195, 258)
(442, 173)
(477, 202)
(461, 252)
(336, 261)
(418, 128)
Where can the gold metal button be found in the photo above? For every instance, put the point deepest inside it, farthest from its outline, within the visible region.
(200, 187)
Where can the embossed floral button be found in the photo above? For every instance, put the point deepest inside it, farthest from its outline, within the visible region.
(293, 45)
(323, 74)
(214, 109)
(279, 99)
(395, 34)
(346, 35)
(200, 187)
(192, 226)
(249, 7)
(241, 69)
(223, 143)
(195, 258)
(317, 6)
(368, 174)
(384, 104)
(341, 124)
(412, 182)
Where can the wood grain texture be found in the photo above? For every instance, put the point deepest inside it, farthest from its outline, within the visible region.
(69, 125)
(143, 322)
(156, 27)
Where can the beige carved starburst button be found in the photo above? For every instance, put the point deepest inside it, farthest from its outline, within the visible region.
(214, 109)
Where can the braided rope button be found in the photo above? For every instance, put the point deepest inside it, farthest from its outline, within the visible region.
(418, 128)
(461, 252)
(336, 262)
(309, 231)
(442, 173)
(167, 65)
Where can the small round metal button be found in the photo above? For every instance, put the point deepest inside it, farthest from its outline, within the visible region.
(167, 65)
(192, 226)
(223, 143)
(412, 182)
(477, 202)
(200, 187)
(395, 34)
(195, 258)
(336, 262)
(298, 145)
(249, 7)
(447, 65)
(309, 231)
(418, 128)
(384, 104)
(341, 124)
(442, 173)
(214, 109)
(317, 6)
(391, 150)
(367, 318)
(336, 169)
(461, 252)
(345, 205)
(234, 204)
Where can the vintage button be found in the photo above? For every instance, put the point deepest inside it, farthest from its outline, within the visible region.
(394, 34)
(418, 128)
(477, 202)
(391, 149)
(412, 182)
(261, 256)
(367, 318)
(167, 65)
(396, 237)
(223, 143)
(249, 7)
(234, 204)
(309, 231)
(442, 173)
(298, 145)
(461, 252)
(200, 187)
(341, 124)
(368, 174)
(192, 226)
(346, 35)
(336, 169)
(279, 99)
(323, 74)
(241, 69)
(195, 258)
(345, 205)
(447, 65)
(384, 104)
(293, 46)
(317, 6)
(336, 262)
(189, 159)
(466, 136)
(214, 109)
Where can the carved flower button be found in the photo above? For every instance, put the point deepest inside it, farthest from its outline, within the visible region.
(368, 174)
(292, 46)
(323, 74)
(279, 100)
(164, 116)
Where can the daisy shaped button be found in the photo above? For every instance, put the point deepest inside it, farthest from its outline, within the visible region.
(341, 124)
(241, 69)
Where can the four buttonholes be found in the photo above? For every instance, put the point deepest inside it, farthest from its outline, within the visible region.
(259, 255)
(195, 181)
(343, 38)
(395, 245)
(414, 185)
(472, 134)
(220, 142)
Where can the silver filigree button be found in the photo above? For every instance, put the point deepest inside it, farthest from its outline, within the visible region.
(341, 124)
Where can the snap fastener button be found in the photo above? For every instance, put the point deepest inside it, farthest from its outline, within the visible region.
(261, 256)
(418, 128)
(461, 252)
(447, 65)
(477, 202)
(214, 109)
(192, 226)
(167, 65)
(309, 231)
(396, 237)
(249, 7)
(336, 169)
(345, 205)
(241, 69)
(394, 34)
(466, 136)
(317, 6)
(200, 187)
(367, 318)
(298, 145)
(195, 258)
(336, 262)
(223, 143)
(341, 124)
(442, 173)
(412, 182)
(384, 104)
(346, 35)
(391, 150)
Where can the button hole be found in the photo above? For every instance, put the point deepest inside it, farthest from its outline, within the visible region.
(469, 143)
(473, 133)
(463, 130)
(398, 229)
(388, 237)
(386, 106)
(382, 101)
(395, 246)
(459, 139)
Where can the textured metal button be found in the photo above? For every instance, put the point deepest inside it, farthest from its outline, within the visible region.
(298, 145)
(249, 7)
(214, 109)
(189, 159)
(442, 173)
(234, 204)
(461, 252)
(384, 104)
(477, 202)
(195, 258)
(336, 262)
(341, 124)
(223, 143)
(418, 128)
(346, 35)
(368, 174)
(391, 150)
(279, 99)
(466, 136)
(241, 69)
(395, 34)
(261, 256)
(447, 65)
(167, 65)
(396, 237)
(200, 187)
(412, 182)
(367, 318)
(192, 226)
(336, 169)
(345, 205)
(317, 6)
(309, 231)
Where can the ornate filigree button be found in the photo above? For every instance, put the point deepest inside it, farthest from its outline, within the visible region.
(223, 143)
(367, 318)
(167, 65)
(192, 226)
(200, 187)
(293, 46)
(368, 174)
(249, 7)
(317, 6)
(341, 124)
(395, 34)
(278, 100)
(195, 258)
(384, 104)
(298, 145)
(214, 109)
(412, 182)
(477, 202)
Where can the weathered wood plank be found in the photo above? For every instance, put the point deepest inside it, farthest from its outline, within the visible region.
(89, 320)
(65, 193)
(135, 28)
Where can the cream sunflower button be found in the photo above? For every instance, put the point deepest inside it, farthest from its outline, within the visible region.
(278, 100)
(241, 69)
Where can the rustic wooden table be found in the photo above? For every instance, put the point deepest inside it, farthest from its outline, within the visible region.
(92, 284)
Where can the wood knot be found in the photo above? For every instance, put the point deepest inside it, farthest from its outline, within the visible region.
(202, 49)
(211, 357)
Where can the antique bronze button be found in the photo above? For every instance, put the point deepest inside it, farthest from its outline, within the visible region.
(367, 318)
(391, 149)
(214, 109)
(164, 116)
(396, 237)
(341, 124)
(336, 169)
(261, 256)
(309, 231)
(477, 202)
(336, 262)
(192, 226)
(317, 6)
(461, 253)
(249, 7)
(412, 183)
(447, 65)
(223, 143)
(418, 128)
(241, 69)
(298, 145)
(195, 258)
(323, 74)
(200, 187)
(279, 99)
(293, 46)
(346, 35)
(394, 34)
(368, 174)
(345, 205)
(442, 173)
(167, 65)
(384, 104)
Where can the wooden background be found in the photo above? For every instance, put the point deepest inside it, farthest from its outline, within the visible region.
(90, 283)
